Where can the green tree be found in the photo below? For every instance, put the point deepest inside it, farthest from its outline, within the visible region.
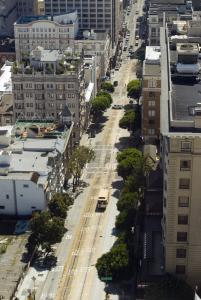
(105, 94)
(46, 231)
(128, 201)
(59, 205)
(99, 105)
(128, 120)
(169, 287)
(80, 157)
(134, 88)
(114, 263)
(129, 162)
(125, 219)
(107, 86)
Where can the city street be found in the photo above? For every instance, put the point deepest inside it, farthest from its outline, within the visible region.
(90, 233)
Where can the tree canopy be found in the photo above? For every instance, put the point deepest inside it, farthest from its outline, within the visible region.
(114, 263)
(128, 201)
(169, 287)
(46, 231)
(59, 205)
(134, 88)
(80, 157)
(128, 120)
(107, 86)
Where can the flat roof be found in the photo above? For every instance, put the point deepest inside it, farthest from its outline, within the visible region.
(186, 93)
(28, 19)
(5, 79)
(153, 53)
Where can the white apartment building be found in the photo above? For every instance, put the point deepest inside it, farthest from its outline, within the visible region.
(57, 33)
(33, 164)
(52, 81)
(181, 158)
(98, 15)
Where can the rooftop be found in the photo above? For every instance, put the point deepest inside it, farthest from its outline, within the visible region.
(5, 78)
(186, 93)
(62, 19)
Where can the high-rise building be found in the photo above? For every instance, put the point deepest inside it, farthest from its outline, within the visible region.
(26, 8)
(49, 82)
(98, 15)
(181, 157)
(151, 94)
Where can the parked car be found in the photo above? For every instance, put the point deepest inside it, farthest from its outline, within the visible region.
(115, 83)
(116, 68)
(136, 43)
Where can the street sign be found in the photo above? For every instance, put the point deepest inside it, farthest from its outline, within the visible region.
(109, 278)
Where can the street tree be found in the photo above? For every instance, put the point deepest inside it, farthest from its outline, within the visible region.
(131, 161)
(169, 287)
(128, 120)
(46, 231)
(105, 94)
(127, 201)
(125, 220)
(80, 157)
(114, 263)
(59, 205)
(134, 88)
(107, 86)
(99, 105)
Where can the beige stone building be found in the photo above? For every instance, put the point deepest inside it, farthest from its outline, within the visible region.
(56, 34)
(181, 158)
(51, 81)
(151, 94)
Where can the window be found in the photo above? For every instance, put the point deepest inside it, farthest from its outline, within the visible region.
(152, 83)
(151, 122)
(183, 219)
(2, 207)
(180, 269)
(186, 146)
(151, 131)
(151, 113)
(185, 165)
(183, 201)
(181, 253)
(181, 236)
(33, 207)
(164, 202)
(7, 196)
(151, 103)
(25, 185)
(184, 183)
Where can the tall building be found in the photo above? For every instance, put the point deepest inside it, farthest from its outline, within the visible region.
(57, 33)
(181, 157)
(151, 94)
(8, 15)
(26, 8)
(51, 81)
(98, 15)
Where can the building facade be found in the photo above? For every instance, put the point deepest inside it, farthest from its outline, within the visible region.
(181, 158)
(56, 34)
(33, 164)
(51, 81)
(151, 94)
(97, 15)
